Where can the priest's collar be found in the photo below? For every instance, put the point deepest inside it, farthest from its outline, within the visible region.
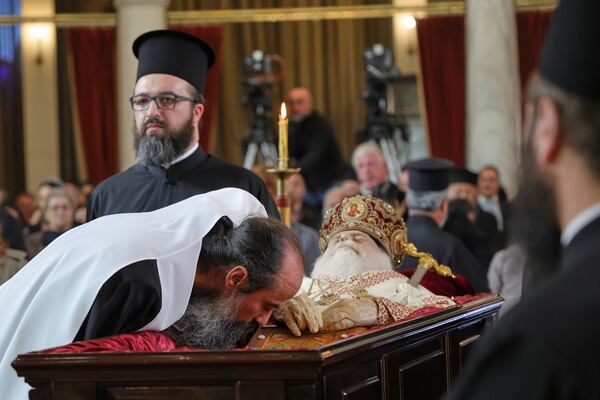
(582, 219)
(183, 156)
(183, 165)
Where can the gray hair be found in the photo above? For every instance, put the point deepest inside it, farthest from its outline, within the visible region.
(369, 147)
(426, 201)
(58, 193)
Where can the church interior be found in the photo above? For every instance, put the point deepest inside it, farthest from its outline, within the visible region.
(389, 136)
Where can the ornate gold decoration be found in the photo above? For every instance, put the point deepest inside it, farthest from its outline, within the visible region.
(426, 260)
(379, 220)
(370, 215)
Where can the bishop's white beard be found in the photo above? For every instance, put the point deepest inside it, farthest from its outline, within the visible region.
(349, 260)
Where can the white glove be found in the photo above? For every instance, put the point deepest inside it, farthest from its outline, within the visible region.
(348, 313)
(300, 313)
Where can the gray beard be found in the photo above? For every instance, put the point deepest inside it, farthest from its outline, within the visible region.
(209, 323)
(161, 149)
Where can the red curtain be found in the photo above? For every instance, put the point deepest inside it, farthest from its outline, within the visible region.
(93, 51)
(531, 28)
(442, 54)
(213, 35)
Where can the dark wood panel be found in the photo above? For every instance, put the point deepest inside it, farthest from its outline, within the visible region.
(259, 390)
(357, 381)
(461, 342)
(418, 372)
(370, 388)
(74, 390)
(169, 393)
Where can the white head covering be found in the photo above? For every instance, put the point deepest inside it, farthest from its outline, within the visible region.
(45, 303)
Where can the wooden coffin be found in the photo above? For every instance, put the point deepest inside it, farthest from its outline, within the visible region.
(416, 359)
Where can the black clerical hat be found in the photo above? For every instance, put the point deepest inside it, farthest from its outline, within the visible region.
(570, 58)
(429, 174)
(175, 53)
(463, 175)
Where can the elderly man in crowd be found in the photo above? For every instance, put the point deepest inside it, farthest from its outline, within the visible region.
(372, 175)
(208, 270)
(353, 282)
(369, 166)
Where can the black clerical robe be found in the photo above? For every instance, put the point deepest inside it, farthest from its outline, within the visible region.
(127, 302)
(427, 236)
(546, 347)
(314, 148)
(148, 188)
(480, 237)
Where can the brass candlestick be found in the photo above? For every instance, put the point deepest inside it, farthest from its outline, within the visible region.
(282, 171)
(283, 202)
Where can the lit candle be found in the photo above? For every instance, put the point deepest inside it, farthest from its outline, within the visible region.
(283, 138)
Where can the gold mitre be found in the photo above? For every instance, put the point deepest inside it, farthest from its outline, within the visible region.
(370, 215)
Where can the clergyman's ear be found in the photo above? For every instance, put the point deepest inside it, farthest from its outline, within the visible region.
(237, 277)
(547, 139)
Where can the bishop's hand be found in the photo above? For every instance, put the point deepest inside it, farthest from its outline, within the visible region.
(348, 313)
(300, 313)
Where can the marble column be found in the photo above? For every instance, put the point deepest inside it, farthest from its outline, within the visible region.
(134, 17)
(40, 93)
(493, 88)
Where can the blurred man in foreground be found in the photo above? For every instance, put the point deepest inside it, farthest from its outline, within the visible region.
(546, 346)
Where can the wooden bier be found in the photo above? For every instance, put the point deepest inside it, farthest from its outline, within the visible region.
(417, 359)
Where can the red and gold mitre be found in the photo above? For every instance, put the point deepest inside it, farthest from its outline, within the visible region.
(370, 215)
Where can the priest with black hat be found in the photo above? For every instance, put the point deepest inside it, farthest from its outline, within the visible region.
(168, 106)
(428, 209)
(476, 228)
(546, 347)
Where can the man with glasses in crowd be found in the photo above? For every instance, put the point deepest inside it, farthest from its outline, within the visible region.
(168, 106)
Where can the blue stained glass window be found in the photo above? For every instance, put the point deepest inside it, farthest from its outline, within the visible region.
(9, 34)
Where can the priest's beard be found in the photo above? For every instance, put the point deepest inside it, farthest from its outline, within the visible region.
(350, 259)
(534, 224)
(209, 323)
(164, 148)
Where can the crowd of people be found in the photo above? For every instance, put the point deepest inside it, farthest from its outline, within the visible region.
(30, 222)
(185, 246)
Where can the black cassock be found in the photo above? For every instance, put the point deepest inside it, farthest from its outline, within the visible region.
(126, 302)
(481, 237)
(427, 236)
(148, 188)
(546, 347)
(315, 150)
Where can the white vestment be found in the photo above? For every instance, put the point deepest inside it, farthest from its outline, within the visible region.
(46, 302)
(396, 298)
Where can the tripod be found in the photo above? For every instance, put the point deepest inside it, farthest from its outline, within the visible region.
(394, 146)
(258, 140)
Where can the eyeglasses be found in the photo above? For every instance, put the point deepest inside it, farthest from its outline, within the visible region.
(164, 101)
(60, 207)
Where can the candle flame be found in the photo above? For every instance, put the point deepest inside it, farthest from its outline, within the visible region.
(283, 112)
